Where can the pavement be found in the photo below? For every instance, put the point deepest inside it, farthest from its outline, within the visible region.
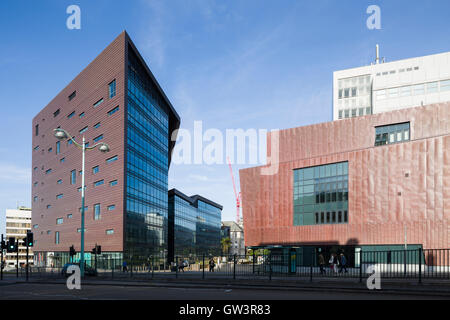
(432, 288)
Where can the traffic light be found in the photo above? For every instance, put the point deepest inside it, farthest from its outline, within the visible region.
(97, 250)
(11, 247)
(72, 251)
(3, 244)
(29, 239)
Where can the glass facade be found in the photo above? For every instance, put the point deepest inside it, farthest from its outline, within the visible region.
(321, 194)
(147, 165)
(194, 227)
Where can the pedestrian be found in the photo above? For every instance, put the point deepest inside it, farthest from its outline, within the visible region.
(124, 266)
(321, 263)
(335, 262)
(330, 262)
(343, 263)
(211, 265)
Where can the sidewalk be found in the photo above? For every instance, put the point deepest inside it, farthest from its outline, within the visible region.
(428, 287)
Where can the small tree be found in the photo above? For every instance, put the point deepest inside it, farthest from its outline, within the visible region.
(226, 244)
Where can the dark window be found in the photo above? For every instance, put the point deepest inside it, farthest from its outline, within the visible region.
(112, 89)
(111, 112)
(113, 183)
(390, 134)
(97, 125)
(81, 115)
(72, 95)
(95, 169)
(99, 102)
(112, 159)
(55, 114)
(58, 149)
(73, 176)
(71, 115)
(57, 237)
(100, 137)
(36, 130)
(97, 211)
(84, 129)
(99, 183)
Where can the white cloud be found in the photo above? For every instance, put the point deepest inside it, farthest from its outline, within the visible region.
(10, 173)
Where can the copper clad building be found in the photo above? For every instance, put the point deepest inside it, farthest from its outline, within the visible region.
(115, 100)
(376, 181)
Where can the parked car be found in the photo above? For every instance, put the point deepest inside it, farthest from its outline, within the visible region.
(88, 271)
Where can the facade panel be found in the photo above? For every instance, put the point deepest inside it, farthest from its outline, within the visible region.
(392, 189)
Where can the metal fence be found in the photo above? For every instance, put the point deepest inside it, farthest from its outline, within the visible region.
(402, 264)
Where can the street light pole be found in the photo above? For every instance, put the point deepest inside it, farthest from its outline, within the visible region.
(62, 134)
(82, 206)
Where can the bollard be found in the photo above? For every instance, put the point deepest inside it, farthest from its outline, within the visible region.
(420, 265)
(360, 265)
(203, 276)
(234, 267)
(253, 261)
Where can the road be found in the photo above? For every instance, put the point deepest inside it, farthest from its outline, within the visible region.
(117, 292)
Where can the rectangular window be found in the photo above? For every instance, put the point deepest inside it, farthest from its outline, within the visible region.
(48, 171)
(112, 88)
(97, 125)
(112, 159)
(56, 113)
(111, 207)
(111, 112)
(81, 115)
(84, 129)
(36, 130)
(99, 183)
(405, 91)
(59, 181)
(445, 85)
(432, 87)
(110, 231)
(393, 133)
(50, 149)
(97, 211)
(113, 183)
(97, 139)
(49, 206)
(73, 176)
(95, 169)
(59, 196)
(340, 114)
(57, 237)
(62, 160)
(71, 115)
(320, 188)
(72, 95)
(393, 93)
(59, 221)
(58, 147)
(36, 148)
(419, 89)
(99, 102)
(381, 94)
(69, 216)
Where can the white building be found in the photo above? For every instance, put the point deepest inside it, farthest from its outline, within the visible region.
(389, 86)
(234, 231)
(18, 222)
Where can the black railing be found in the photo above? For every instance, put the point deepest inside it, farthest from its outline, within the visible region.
(410, 264)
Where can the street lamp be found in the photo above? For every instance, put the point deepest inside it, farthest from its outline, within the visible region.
(62, 134)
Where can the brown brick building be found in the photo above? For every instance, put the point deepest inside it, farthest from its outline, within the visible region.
(371, 182)
(115, 100)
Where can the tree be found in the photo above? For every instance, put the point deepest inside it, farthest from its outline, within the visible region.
(226, 244)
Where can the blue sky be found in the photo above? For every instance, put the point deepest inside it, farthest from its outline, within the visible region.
(232, 64)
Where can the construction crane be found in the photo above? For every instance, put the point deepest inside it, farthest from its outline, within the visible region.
(236, 194)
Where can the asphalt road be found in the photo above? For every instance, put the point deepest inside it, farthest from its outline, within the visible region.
(115, 292)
